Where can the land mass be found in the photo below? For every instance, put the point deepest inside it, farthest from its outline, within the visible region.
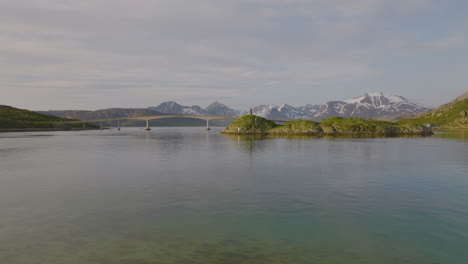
(252, 124)
(370, 105)
(14, 119)
(450, 115)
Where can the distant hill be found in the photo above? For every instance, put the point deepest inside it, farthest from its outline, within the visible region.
(125, 112)
(102, 114)
(451, 115)
(394, 118)
(370, 105)
(462, 97)
(219, 109)
(166, 108)
(13, 118)
(105, 114)
(215, 108)
(175, 108)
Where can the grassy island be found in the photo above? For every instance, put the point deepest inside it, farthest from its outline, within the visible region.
(251, 124)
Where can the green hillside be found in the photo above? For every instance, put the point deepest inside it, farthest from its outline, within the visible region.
(251, 123)
(453, 115)
(13, 118)
(331, 126)
(11, 113)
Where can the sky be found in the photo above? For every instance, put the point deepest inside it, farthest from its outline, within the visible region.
(94, 54)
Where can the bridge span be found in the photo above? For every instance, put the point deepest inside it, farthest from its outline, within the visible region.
(148, 118)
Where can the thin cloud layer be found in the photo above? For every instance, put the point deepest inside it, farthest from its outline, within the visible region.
(94, 54)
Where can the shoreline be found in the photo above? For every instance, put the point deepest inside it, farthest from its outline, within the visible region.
(3, 130)
(320, 134)
(251, 124)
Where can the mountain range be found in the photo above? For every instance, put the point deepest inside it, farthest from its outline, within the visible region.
(216, 109)
(370, 105)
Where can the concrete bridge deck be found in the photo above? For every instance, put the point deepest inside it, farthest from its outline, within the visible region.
(148, 118)
(153, 117)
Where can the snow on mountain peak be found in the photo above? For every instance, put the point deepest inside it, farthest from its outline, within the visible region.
(377, 99)
(396, 98)
(375, 94)
(220, 109)
(370, 105)
(285, 111)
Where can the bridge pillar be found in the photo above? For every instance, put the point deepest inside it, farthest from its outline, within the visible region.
(118, 124)
(208, 124)
(102, 128)
(147, 125)
(84, 125)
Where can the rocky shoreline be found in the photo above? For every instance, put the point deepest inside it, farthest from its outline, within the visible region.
(251, 124)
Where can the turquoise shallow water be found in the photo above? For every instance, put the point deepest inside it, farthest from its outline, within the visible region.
(185, 195)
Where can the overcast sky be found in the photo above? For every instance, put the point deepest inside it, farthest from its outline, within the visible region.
(92, 54)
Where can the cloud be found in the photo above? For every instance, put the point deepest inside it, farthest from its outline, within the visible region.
(191, 49)
(435, 45)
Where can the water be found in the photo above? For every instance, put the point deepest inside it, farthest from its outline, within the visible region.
(185, 195)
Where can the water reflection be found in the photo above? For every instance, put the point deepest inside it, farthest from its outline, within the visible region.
(186, 195)
(452, 134)
(247, 137)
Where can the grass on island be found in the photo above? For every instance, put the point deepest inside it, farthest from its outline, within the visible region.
(330, 126)
(251, 123)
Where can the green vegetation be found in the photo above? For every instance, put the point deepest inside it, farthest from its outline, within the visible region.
(341, 125)
(449, 116)
(332, 126)
(11, 113)
(251, 124)
(19, 119)
(304, 126)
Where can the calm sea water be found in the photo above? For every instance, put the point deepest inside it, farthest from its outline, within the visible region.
(185, 195)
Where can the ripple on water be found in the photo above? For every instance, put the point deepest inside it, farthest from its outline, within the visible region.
(181, 195)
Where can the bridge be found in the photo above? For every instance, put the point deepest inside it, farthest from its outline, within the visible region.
(148, 118)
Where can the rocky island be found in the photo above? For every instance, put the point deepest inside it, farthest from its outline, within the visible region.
(252, 124)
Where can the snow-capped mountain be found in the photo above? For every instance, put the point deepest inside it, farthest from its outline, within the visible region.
(370, 105)
(285, 112)
(216, 108)
(175, 108)
(219, 109)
